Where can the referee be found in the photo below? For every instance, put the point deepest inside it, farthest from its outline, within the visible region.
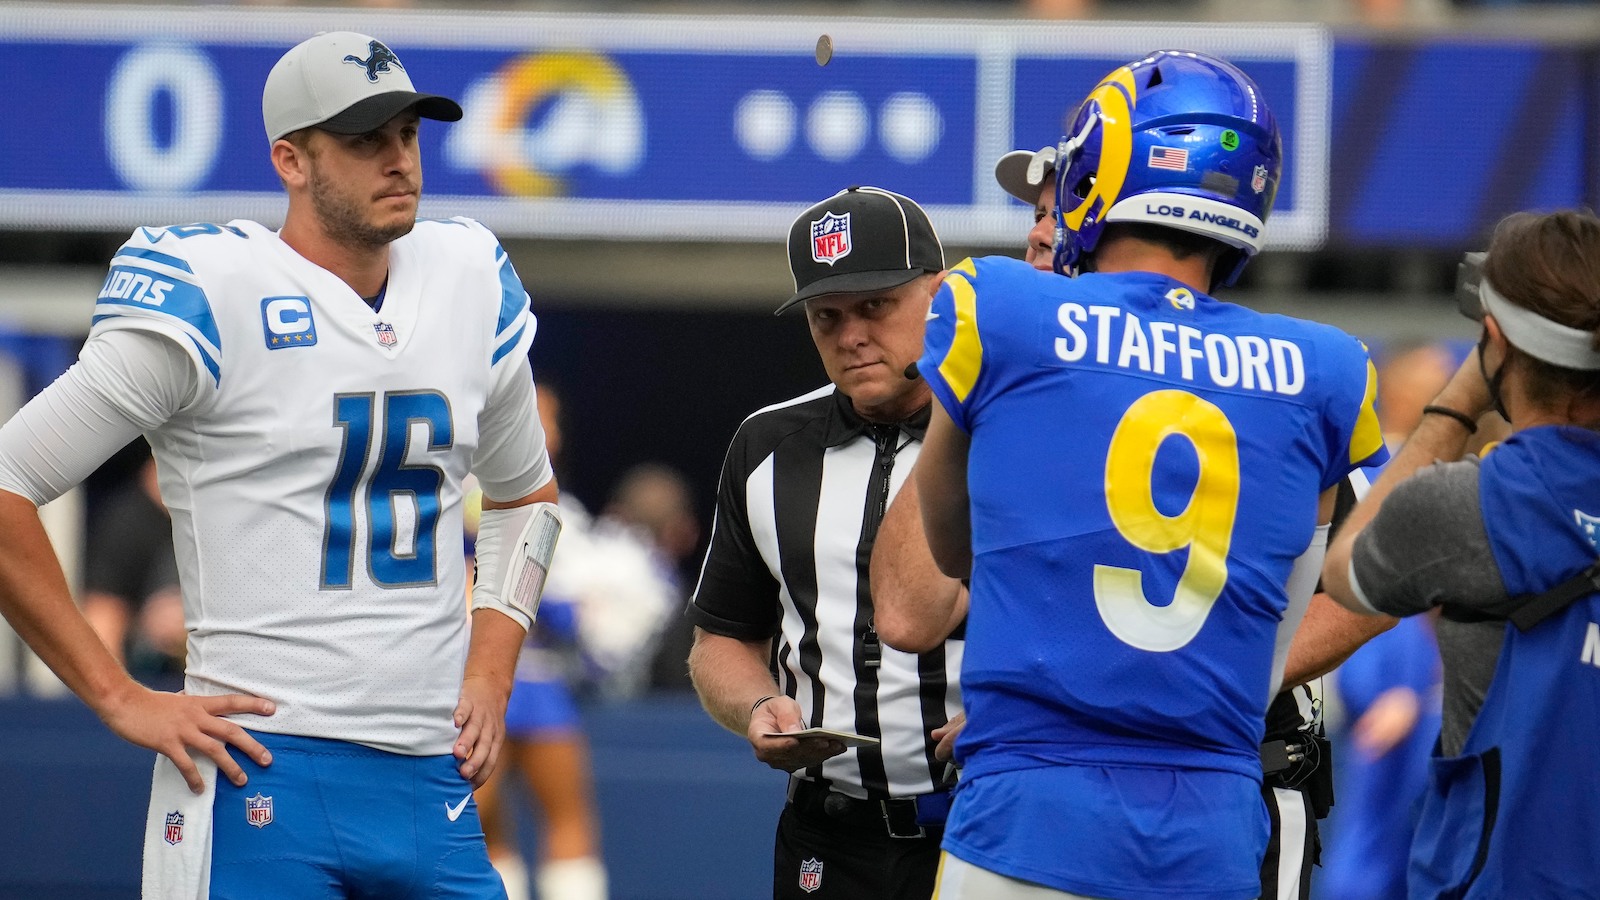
(784, 631)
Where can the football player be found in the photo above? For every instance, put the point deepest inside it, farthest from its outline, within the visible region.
(1150, 475)
(314, 397)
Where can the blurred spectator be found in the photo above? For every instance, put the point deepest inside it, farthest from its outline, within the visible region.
(1412, 374)
(604, 604)
(130, 587)
(655, 500)
(1390, 689)
(1060, 9)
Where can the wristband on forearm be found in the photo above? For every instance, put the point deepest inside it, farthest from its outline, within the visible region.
(514, 549)
(1466, 421)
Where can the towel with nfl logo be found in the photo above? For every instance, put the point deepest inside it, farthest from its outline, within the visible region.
(177, 834)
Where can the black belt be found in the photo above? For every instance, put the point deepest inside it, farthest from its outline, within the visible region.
(897, 817)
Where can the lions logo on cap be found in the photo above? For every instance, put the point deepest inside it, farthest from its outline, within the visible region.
(378, 62)
(830, 238)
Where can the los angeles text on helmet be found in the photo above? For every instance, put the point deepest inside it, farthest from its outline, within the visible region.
(1210, 218)
(1120, 338)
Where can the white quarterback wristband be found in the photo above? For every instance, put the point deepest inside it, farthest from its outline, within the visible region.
(512, 571)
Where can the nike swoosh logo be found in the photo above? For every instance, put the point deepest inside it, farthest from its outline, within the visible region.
(454, 812)
(932, 316)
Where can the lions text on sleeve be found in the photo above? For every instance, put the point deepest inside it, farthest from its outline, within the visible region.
(315, 481)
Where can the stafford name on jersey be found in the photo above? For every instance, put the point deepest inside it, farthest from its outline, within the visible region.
(1112, 336)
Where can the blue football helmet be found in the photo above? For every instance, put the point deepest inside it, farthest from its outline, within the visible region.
(1178, 139)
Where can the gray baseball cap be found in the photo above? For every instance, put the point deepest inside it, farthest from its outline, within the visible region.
(1022, 172)
(346, 83)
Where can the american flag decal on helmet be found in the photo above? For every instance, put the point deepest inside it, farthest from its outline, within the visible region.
(1174, 158)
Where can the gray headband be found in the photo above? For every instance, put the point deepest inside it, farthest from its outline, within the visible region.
(1539, 337)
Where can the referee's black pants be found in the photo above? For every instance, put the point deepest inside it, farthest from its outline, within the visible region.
(852, 857)
(1294, 845)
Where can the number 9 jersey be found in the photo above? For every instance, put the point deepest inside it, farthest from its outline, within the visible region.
(1144, 470)
(314, 471)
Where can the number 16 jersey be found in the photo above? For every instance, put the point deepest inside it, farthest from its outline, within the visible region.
(314, 475)
(1144, 470)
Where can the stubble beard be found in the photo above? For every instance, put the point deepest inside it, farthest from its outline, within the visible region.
(343, 220)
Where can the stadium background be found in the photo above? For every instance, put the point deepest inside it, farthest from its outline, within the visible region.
(641, 169)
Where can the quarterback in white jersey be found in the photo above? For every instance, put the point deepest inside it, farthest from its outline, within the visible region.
(314, 398)
(313, 464)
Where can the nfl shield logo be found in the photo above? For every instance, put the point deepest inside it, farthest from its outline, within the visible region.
(258, 810)
(830, 238)
(385, 333)
(174, 834)
(1258, 181)
(810, 875)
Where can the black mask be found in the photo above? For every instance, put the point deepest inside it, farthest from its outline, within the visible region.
(1494, 381)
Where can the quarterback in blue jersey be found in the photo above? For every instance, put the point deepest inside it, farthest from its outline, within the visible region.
(1137, 480)
(315, 397)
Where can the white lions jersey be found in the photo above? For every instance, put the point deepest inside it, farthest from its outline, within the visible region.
(315, 479)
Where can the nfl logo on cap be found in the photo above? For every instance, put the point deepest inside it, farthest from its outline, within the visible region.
(810, 875)
(830, 238)
(258, 810)
(174, 835)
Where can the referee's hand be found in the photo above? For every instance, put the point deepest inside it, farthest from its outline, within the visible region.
(787, 753)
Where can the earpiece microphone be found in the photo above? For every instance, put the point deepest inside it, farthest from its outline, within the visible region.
(911, 372)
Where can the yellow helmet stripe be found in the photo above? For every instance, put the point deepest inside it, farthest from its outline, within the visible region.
(1115, 98)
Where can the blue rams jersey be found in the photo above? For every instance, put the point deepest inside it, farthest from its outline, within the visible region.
(1144, 470)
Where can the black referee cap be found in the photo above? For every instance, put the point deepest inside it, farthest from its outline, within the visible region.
(860, 239)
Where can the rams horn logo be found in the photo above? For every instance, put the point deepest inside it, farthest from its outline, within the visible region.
(378, 62)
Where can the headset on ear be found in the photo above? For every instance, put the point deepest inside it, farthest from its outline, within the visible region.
(1469, 278)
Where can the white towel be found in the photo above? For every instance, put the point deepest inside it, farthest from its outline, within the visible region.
(177, 834)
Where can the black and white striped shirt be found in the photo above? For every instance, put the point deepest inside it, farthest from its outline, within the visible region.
(804, 487)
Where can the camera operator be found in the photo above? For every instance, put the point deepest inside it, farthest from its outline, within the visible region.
(1507, 547)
